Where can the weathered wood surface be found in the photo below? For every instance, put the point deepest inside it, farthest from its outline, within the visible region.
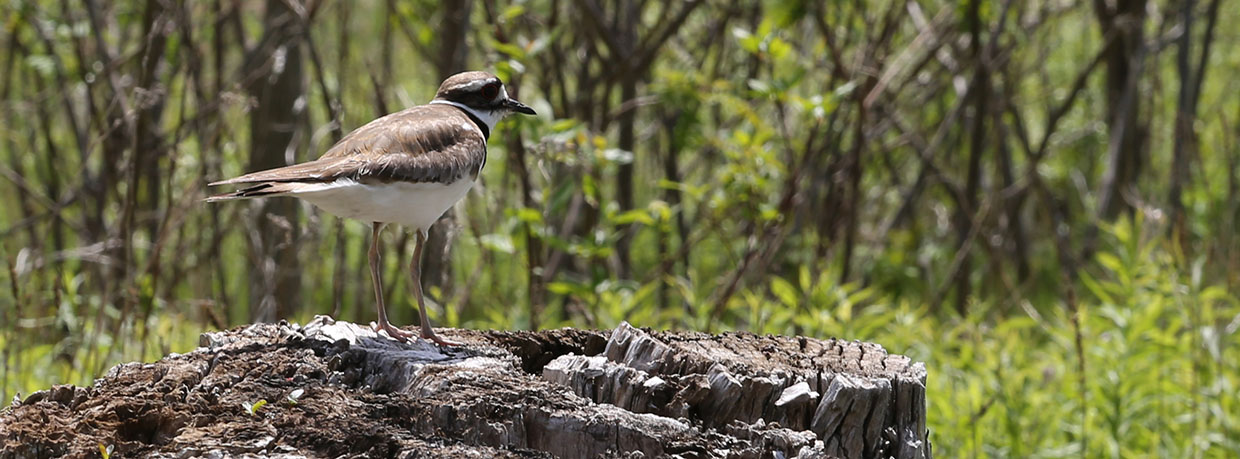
(856, 398)
(558, 393)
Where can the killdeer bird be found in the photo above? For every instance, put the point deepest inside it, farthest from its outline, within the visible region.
(406, 168)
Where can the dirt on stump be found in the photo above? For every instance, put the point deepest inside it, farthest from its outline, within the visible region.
(335, 389)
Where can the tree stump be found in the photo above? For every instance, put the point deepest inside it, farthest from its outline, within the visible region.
(338, 389)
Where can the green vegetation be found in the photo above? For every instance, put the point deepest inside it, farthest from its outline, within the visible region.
(252, 408)
(1037, 199)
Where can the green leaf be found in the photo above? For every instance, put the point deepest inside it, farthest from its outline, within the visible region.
(787, 12)
(510, 49)
(253, 408)
(498, 242)
(660, 210)
(529, 215)
(564, 125)
(589, 189)
(567, 288)
(1111, 262)
(1097, 289)
(778, 48)
(511, 11)
(784, 290)
(633, 216)
(748, 42)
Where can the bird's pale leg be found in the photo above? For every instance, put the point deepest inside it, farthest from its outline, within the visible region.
(415, 271)
(398, 334)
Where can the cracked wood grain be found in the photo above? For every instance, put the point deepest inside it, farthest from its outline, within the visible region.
(555, 393)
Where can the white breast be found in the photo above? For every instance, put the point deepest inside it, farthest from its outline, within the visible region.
(415, 205)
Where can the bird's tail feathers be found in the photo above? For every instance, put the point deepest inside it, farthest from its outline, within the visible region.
(256, 191)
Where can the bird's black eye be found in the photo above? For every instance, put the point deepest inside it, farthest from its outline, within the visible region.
(490, 91)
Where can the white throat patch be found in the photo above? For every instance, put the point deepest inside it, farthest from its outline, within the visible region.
(490, 117)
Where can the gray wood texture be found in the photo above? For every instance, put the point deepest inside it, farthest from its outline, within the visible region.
(557, 393)
(855, 398)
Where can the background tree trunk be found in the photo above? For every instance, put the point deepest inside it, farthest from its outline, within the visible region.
(1123, 57)
(1184, 137)
(275, 80)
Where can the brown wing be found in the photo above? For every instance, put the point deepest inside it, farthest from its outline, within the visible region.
(427, 143)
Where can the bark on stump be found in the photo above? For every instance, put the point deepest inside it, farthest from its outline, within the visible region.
(557, 393)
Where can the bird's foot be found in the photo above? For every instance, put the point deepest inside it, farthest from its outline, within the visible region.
(396, 333)
(430, 334)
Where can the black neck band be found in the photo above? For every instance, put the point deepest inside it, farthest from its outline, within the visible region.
(486, 131)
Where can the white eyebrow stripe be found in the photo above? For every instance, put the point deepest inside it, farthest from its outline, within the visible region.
(475, 85)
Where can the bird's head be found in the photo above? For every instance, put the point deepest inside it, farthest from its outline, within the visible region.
(481, 92)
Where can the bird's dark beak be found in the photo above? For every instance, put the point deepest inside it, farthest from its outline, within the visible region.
(518, 107)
